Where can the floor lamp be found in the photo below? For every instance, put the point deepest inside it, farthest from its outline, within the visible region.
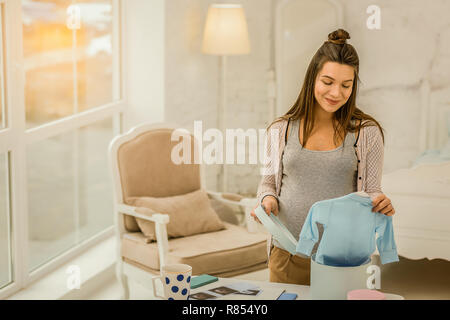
(225, 34)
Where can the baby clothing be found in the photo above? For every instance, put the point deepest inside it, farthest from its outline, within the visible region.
(349, 232)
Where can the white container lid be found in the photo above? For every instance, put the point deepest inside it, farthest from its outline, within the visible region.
(277, 229)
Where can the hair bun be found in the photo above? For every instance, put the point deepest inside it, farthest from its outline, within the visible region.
(339, 36)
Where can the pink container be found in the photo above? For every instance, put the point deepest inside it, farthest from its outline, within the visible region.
(365, 294)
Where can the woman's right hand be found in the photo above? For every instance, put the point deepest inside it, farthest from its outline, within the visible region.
(270, 204)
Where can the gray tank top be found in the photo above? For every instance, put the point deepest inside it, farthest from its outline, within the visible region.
(310, 176)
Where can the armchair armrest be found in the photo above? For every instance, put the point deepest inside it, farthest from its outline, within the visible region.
(247, 203)
(155, 217)
(160, 220)
(232, 198)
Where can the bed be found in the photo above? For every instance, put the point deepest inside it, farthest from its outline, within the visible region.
(421, 198)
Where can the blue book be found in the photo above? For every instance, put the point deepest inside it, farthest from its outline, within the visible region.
(202, 280)
(287, 296)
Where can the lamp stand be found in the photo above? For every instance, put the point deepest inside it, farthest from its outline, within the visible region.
(223, 181)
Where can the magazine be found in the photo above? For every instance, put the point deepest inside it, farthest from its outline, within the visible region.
(238, 291)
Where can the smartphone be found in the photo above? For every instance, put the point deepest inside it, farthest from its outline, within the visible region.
(202, 280)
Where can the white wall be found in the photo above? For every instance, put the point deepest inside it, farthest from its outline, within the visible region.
(192, 79)
(412, 45)
(145, 55)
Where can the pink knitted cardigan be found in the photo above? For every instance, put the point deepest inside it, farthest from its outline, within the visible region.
(369, 151)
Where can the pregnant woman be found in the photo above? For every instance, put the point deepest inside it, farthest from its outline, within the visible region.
(324, 147)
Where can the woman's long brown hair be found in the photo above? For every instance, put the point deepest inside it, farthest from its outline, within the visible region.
(348, 118)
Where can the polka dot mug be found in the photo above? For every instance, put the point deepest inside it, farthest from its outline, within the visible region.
(176, 281)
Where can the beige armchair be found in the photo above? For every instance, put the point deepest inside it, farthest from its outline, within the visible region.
(141, 166)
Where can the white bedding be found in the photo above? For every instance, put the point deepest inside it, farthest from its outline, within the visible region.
(421, 198)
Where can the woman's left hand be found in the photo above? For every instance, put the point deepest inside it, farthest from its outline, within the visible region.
(382, 204)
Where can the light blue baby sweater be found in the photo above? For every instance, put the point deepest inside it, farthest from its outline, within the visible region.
(349, 232)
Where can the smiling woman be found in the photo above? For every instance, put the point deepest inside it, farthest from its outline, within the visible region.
(331, 90)
(328, 95)
(320, 154)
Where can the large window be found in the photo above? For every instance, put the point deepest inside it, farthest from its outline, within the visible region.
(69, 193)
(56, 122)
(6, 276)
(67, 49)
(2, 70)
(5, 237)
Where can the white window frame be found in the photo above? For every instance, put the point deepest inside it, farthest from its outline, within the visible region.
(15, 138)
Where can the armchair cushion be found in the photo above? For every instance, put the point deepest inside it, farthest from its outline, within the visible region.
(227, 250)
(190, 214)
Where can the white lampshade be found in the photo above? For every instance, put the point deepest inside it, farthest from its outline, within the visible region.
(226, 30)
